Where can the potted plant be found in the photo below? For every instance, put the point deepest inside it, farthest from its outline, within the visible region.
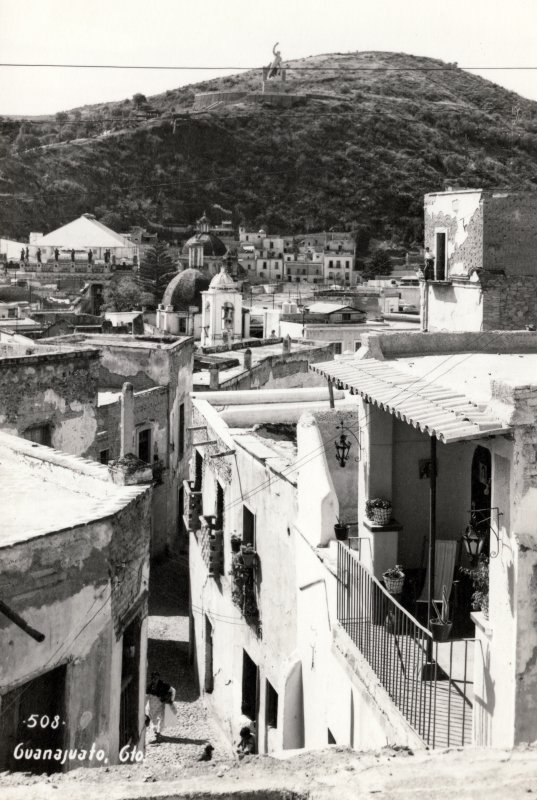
(441, 625)
(480, 579)
(248, 555)
(379, 510)
(394, 579)
(236, 542)
(341, 529)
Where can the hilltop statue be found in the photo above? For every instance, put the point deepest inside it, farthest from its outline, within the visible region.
(275, 68)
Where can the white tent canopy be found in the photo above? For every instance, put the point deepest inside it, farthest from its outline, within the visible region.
(84, 233)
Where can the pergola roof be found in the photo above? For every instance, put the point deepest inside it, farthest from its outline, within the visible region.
(428, 406)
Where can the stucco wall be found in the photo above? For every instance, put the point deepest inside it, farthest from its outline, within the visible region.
(169, 367)
(76, 586)
(460, 216)
(455, 307)
(57, 389)
(272, 647)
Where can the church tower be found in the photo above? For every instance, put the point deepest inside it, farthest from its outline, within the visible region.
(221, 320)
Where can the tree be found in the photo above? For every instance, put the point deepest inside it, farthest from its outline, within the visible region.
(125, 295)
(61, 118)
(139, 99)
(157, 269)
(380, 263)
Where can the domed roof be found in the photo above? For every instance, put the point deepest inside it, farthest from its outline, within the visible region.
(212, 245)
(223, 281)
(184, 290)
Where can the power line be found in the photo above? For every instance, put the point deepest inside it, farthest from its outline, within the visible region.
(319, 68)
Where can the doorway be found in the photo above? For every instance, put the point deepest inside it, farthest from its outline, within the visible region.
(129, 718)
(481, 493)
(209, 671)
(41, 700)
(440, 261)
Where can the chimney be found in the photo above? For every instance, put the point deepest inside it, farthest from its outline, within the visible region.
(127, 419)
(213, 377)
(248, 359)
(286, 344)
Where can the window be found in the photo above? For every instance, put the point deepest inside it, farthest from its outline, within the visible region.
(347, 264)
(219, 510)
(271, 706)
(144, 445)
(181, 437)
(104, 456)
(11, 313)
(248, 526)
(338, 348)
(41, 434)
(357, 345)
(198, 472)
(182, 325)
(346, 317)
(330, 264)
(264, 264)
(249, 686)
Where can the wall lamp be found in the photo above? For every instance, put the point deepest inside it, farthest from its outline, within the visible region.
(474, 536)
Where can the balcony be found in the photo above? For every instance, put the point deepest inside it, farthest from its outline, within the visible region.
(429, 682)
(192, 506)
(211, 542)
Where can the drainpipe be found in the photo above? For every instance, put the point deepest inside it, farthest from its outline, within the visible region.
(432, 539)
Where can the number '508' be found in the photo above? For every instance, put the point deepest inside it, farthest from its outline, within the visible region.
(34, 721)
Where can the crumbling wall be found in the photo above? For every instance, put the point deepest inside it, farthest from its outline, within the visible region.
(77, 587)
(56, 389)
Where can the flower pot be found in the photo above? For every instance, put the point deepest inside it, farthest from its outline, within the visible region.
(341, 531)
(394, 585)
(440, 631)
(381, 516)
(248, 557)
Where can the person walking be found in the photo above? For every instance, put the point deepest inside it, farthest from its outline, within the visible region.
(38, 254)
(160, 705)
(73, 254)
(90, 256)
(22, 254)
(56, 254)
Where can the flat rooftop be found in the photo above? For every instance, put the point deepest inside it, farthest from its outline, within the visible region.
(43, 491)
(472, 373)
(202, 377)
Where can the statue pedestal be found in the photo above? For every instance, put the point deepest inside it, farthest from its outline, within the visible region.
(274, 86)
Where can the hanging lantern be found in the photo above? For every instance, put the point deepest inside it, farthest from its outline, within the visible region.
(473, 542)
(342, 450)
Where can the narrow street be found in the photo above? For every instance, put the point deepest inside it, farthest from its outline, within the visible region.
(168, 649)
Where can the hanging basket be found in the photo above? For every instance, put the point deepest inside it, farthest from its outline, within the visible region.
(381, 516)
(394, 585)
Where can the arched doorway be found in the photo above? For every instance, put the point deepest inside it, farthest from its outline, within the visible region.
(481, 493)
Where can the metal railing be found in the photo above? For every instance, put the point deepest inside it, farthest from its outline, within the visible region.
(429, 682)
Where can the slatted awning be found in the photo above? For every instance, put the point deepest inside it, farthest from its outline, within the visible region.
(432, 408)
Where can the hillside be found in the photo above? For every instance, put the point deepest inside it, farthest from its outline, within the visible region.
(393, 127)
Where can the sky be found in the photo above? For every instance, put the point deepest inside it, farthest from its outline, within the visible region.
(241, 33)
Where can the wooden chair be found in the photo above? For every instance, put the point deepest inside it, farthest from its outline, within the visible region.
(444, 570)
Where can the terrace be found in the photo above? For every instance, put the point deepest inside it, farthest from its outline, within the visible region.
(443, 452)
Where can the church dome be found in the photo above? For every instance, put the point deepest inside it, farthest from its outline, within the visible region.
(184, 290)
(212, 245)
(222, 281)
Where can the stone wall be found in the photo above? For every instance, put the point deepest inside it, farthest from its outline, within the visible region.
(58, 389)
(510, 233)
(509, 302)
